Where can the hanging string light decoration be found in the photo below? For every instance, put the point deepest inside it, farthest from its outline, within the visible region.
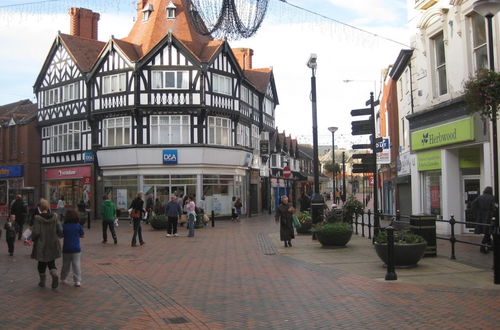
(229, 19)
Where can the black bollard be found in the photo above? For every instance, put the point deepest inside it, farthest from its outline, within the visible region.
(391, 272)
(88, 220)
(213, 218)
(453, 239)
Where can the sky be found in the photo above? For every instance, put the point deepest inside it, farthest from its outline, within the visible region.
(284, 42)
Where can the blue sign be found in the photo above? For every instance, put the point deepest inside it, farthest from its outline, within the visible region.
(170, 157)
(11, 171)
(88, 157)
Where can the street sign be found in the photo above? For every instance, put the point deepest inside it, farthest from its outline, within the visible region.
(375, 103)
(361, 146)
(362, 127)
(377, 140)
(286, 172)
(361, 112)
(366, 158)
(362, 168)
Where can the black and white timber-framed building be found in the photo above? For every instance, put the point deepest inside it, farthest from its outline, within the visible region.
(164, 110)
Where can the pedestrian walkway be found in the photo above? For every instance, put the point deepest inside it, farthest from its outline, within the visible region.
(238, 276)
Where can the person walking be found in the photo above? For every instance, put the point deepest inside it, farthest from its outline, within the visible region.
(108, 212)
(19, 209)
(61, 204)
(284, 214)
(237, 206)
(158, 207)
(72, 232)
(234, 215)
(150, 202)
(10, 233)
(173, 211)
(137, 213)
(191, 214)
(484, 209)
(46, 245)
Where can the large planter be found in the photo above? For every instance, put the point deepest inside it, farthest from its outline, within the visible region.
(405, 255)
(304, 228)
(337, 239)
(158, 222)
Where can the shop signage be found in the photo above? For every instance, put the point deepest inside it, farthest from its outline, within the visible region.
(427, 161)
(404, 163)
(371, 181)
(286, 172)
(248, 159)
(455, 132)
(170, 157)
(86, 180)
(76, 172)
(470, 158)
(11, 171)
(88, 157)
(264, 147)
(384, 157)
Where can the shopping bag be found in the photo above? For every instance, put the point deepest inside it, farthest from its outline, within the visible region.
(183, 218)
(26, 234)
(206, 218)
(116, 222)
(295, 221)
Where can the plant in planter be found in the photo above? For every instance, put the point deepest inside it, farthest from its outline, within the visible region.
(482, 94)
(334, 215)
(408, 248)
(158, 222)
(305, 223)
(351, 206)
(333, 234)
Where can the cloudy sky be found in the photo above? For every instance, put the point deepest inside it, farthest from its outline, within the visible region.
(285, 41)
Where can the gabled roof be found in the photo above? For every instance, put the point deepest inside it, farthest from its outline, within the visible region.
(84, 51)
(260, 78)
(146, 35)
(130, 50)
(21, 112)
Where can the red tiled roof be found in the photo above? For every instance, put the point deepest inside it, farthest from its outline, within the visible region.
(84, 51)
(130, 50)
(260, 78)
(146, 35)
(22, 111)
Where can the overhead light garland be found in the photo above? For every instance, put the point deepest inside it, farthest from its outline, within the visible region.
(228, 19)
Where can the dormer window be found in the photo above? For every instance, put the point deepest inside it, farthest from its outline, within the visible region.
(146, 12)
(171, 8)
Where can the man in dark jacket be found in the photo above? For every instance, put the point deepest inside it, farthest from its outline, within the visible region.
(19, 209)
(173, 211)
(484, 209)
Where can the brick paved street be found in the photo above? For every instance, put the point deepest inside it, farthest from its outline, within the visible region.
(237, 276)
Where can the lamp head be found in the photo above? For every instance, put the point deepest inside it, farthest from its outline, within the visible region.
(486, 7)
(311, 63)
(333, 129)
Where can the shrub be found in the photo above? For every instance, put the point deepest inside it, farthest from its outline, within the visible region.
(352, 206)
(304, 217)
(482, 93)
(158, 222)
(332, 228)
(400, 237)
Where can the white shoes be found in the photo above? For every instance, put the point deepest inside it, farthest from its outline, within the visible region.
(78, 284)
(175, 235)
(65, 282)
(168, 235)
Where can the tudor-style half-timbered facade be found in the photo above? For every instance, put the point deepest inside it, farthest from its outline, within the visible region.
(164, 110)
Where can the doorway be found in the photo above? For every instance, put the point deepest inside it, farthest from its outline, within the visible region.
(471, 189)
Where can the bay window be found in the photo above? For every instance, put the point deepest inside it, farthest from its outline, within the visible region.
(219, 131)
(65, 137)
(170, 79)
(170, 130)
(221, 84)
(117, 131)
(114, 83)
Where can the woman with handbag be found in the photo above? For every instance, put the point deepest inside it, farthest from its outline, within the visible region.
(284, 214)
(137, 213)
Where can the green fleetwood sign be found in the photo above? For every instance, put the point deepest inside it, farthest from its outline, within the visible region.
(432, 137)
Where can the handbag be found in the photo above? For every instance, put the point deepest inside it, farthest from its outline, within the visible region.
(183, 218)
(135, 214)
(295, 221)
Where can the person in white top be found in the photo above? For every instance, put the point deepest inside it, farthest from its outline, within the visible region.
(190, 208)
(61, 204)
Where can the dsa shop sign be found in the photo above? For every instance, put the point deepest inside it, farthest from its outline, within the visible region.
(170, 157)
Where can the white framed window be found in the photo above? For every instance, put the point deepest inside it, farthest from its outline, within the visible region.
(219, 131)
(479, 42)
(268, 106)
(117, 131)
(264, 135)
(64, 137)
(275, 160)
(146, 12)
(255, 137)
(243, 135)
(71, 92)
(171, 8)
(115, 83)
(221, 84)
(246, 95)
(256, 101)
(170, 79)
(170, 130)
(440, 64)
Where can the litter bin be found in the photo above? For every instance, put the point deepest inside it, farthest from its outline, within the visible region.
(425, 226)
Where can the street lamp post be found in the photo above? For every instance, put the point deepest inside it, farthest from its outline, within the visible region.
(317, 202)
(333, 130)
(488, 9)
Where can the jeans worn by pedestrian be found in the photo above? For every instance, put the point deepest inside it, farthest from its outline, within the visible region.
(191, 219)
(10, 243)
(137, 231)
(172, 225)
(111, 226)
(71, 260)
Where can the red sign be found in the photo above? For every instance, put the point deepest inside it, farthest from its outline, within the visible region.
(86, 180)
(370, 180)
(76, 172)
(286, 172)
(435, 197)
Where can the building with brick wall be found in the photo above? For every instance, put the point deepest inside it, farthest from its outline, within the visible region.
(19, 154)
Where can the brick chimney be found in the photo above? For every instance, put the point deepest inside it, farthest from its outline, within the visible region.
(244, 57)
(141, 4)
(83, 23)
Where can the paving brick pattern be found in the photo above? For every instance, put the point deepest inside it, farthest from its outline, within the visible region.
(232, 276)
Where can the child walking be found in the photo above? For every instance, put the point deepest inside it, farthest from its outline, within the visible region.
(72, 232)
(10, 233)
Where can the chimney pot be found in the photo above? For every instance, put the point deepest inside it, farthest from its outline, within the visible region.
(244, 57)
(83, 23)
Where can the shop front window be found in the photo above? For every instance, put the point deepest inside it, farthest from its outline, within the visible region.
(432, 192)
(71, 190)
(219, 191)
(162, 186)
(121, 190)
